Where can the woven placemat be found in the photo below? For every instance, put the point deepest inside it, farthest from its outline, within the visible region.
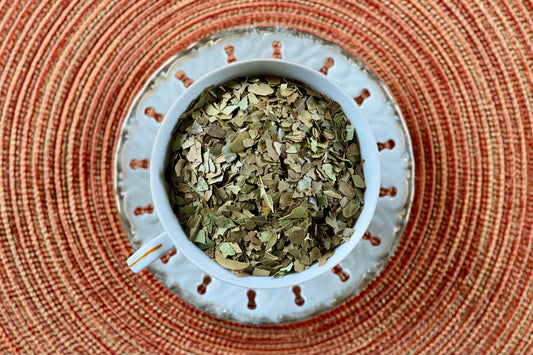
(462, 278)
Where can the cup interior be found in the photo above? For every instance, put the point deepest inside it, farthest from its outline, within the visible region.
(254, 67)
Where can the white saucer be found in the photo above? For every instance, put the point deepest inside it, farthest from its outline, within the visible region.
(275, 305)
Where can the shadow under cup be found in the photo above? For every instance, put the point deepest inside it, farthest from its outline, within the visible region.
(174, 234)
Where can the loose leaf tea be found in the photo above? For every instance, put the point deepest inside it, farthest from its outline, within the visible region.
(265, 176)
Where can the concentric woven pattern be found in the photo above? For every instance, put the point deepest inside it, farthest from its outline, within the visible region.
(462, 278)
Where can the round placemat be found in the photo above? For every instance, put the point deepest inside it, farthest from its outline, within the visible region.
(461, 280)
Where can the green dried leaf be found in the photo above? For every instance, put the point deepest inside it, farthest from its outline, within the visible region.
(237, 145)
(230, 264)
(229, 155)
(304, 184)
(350, 130)
(298, 212)
(229, 109)
(247, 143)
(211, 110)
(328, 170)
(347, 232)
(260, 89)
(207, 245)
(202, 185)
(253, 99)
(178, 142)
(243, 104)
(200, 237)
(314, 146)
(271, 241)
(333, 194)
(358, 181)
(260, 272)
(291, 149)
(287, 268)
(351, 208)
(265, 236)
(226, 249)
(267, 198)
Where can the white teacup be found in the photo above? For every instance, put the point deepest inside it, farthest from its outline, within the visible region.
(174, 236)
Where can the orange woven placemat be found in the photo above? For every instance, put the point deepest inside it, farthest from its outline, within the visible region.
(462, 278)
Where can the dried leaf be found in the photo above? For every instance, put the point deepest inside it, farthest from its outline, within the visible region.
(216, 131)
(305, 183)
(358, 181)
(260, 272)
(230, 264)
(296, 235)
(299, 105)
(229, 109)
(287, 268)
(283, 185)
(306, 118)
(237, 145)
(347, 232)
(265, 236)
(266, 197)
(202, 185)
(322, 201)
(247, 143)
(271, 241)
(350, 130)
(333, 194)
(286, 199)
(229, 155)
(196, 128)
(291, 149)
(346, 189)
(351, 208)
(226, 249)
(211, 110)
(260, 89)
(315, 254)
(298, 266)
(298, 212)
(323, 259)
(328, 170)
(253, 99)
(200, 237)
(243, 104)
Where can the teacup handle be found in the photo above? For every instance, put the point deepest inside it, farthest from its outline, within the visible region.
(150, 252)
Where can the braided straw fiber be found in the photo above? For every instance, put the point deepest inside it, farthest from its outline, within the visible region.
(462, 278)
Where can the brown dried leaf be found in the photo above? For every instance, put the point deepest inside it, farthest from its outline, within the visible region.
(216, 131)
